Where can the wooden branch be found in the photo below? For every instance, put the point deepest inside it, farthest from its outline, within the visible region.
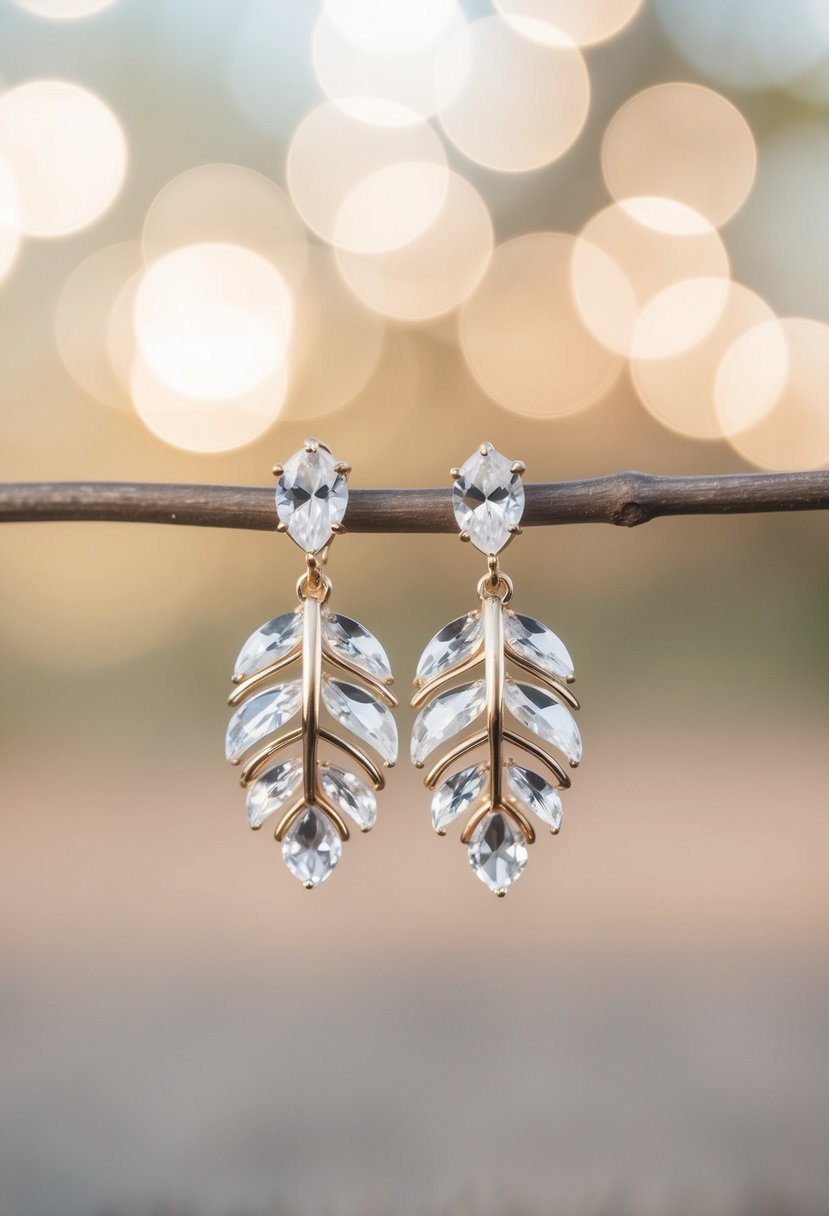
(624, 499)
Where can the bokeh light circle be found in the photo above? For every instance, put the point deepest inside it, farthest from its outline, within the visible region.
(436, 271)
(584, 22)
(336, 342)
(523, 338)
(202, 424)
(332, 156)
(82, 319)
(684, 142)
(650, 276)
(390, 89)
(67, 152)
(213, 321)
(390, 27)
(231, 205)
(679, 391)
(64, 10)
(522, 104)
(779, 371)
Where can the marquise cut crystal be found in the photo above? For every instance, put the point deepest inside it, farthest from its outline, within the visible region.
(271, 642)
(361, 713)
(349, 794)
(534, 641)
(497, 852)
(355, 644)
(265, 712)
(448, 713)
(535, 794)
(544, 716)
(488, 499)
(457, 795)
(451, 645)
(311, 847)
(271, 791)
(311, 496)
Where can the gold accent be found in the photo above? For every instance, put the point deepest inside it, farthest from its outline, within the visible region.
(311, 677)
(493, 614)
(454, 472)
(427, 691)
(556, 686)
(259, 761)
(366, 764)
(319, 804)
(504, 808)
(382, 690)
(460, 749)
(277, 470)
(245, 687)
(552, 764)
(518, 467)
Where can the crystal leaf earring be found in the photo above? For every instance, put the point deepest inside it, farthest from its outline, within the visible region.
(501, 796)
(313, 798)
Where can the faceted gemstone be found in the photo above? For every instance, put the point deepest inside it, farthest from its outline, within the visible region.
(272, 790)
(457, 795)
(497, 852)
(357, 645)
(545, 717)
(448, 713)
(270, 643)
(311, 847)
(535, 794)
(265, 712)
(534, 641)
(488, 498)
(348, 793)
(311, 497)
(452, 644)
(362, 714)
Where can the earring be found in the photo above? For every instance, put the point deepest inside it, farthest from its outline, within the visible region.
(502, 795)
(313, 798)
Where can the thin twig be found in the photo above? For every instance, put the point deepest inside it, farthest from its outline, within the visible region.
(624, 499)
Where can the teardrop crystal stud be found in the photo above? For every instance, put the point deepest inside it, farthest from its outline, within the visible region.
(497, 852)
(488, 499)
(311, 847)
(311, 496)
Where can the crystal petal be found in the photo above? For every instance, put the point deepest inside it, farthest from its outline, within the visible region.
(534, 641)
(457, 795)
(271, 642)
(488, 499)
(535, 794)
(311, 847)
(348, 793)
(356, 644)
(362, 714)
(448, 713)
(450, 645)
(264, 713)
(544, 716)
(497, 852)
(311, 497)
(271, 791)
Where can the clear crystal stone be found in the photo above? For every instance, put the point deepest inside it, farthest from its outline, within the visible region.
(265, 712)
(311, 497)
(349, 794)
(311, 847)
(270, 643)
(488, 499)
(457, 795)
(534, 641)
(497, 852)
(544, 716)
(362, 714)
(356, 644)
(535, 794)
(448, 713)
(452, 644)
(271, 791)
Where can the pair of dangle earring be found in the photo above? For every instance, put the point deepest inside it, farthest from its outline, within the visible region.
(500, 796)
(344, 670)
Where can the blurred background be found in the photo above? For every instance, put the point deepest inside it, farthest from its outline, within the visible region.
(595, 233)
